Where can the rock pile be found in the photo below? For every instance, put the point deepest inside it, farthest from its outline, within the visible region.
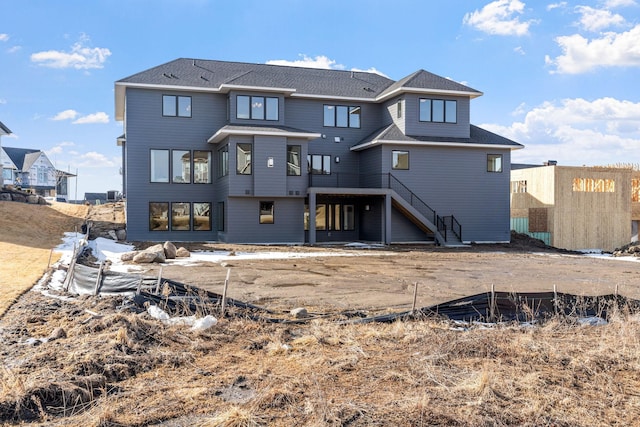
(10, 195)
(632, 249)
(158, 253)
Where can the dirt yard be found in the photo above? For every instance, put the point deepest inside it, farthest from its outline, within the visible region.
(94, 361)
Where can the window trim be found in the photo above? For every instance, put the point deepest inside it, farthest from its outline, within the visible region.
(171, 217)
(445, 102)
(325, 160)
(168, 210)
(250, 164)
(266, 110)
(273, 210)
(491, 164)
(171, 169)
(289, 147)
(209, 179)
(168, 165)
(176, 99)
(349, 110)
(393, 166)
(193, 216)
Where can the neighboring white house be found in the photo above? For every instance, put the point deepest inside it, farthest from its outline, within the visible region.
(28, 169)
(3, 131)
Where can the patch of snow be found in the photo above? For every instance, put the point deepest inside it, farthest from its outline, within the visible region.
(196, 324)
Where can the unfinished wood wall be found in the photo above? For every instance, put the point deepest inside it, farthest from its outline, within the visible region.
(592, 219)
(635, 195)
(578, 219)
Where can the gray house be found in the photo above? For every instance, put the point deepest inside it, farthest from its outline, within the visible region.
(254, 153)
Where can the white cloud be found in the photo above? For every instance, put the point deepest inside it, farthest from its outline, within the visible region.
(14, 49)
(577, 131)
(66, 115)
(619, 3)
(3, 101)
(4, 37)
(319, 61)
(611, 50)
(79, 57)
(552, 6)
(598, 19)
(370, 70)
(500, 18)
(519, 50)
(99, 117)
(93, 159)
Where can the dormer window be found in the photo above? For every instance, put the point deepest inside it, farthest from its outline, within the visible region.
(438, 110)
(256, 108)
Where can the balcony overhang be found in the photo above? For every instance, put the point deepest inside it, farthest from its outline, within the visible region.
(236, 130)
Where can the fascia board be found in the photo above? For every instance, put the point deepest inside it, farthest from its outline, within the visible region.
(425, 91)
(377, 142)
(221, 134)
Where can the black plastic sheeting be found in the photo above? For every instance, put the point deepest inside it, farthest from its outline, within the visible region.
(494, 307)
(179, 298)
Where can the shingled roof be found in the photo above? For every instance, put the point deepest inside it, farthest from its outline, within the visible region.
(222, 76)
(477, 136)
(22, 158)
(4, 130)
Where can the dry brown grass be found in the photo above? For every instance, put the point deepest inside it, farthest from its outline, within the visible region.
(127, 369)
(27, 235)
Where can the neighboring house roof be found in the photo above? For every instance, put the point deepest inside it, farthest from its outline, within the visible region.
(4, 130)
(393, 135)
(222, 76)
(22, 158)
(261, 130)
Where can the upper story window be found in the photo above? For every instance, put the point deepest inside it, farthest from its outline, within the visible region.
(438, 110)
(494, 162)
(319, 164)
(159, 166)
(202, 167)
(243, 159)
(223, 161)
(257, 107)
(400, 160)
(173, 106)
(399, 109)
(293, 160)
(342, 116)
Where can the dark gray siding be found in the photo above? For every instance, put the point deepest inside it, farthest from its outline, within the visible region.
(455, 181)
(147, 129)
(372, 221)
(413, 125)
(244, 226)
(270, 181)
(239, 185)
(403, 230)
(308, 115)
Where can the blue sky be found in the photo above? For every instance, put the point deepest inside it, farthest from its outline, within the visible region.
(560, 77)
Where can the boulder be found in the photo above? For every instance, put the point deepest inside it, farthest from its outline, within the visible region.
(5, 196)
(121, 234)
(33, 199)
(299, 313)
(19, 198)
(169, 250)
(182, 253)
(144, 257)
(128, 256)
(158, 250)
(112, 234)
(57, 334)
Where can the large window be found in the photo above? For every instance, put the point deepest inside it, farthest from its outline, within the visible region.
(159, 166)
(293, 160)
(332, 217)
(266, 212)
(243, 159)
(319, 164)
(494, 162)
(202, 216)
(180, 216)
(181, 166)
(438, 110)
(399, 160)
(342, 116)
(202, 167)
(173, 106)
(158, 216)
(257, 107)
(223, 161)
